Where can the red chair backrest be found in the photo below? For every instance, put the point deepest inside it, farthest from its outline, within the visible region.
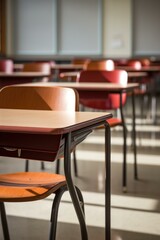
(6, 65)
(145, 62)
(136, 64)
(99, 101)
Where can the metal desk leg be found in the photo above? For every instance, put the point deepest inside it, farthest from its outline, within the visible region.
(107, 183)
(134, 137)
(124, 181)
(71, 188)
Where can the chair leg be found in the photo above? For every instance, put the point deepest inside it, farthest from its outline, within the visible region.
(57, 166)
(54, 212)
(4, 221)
(42, 166)
(124, 181)
(27, 165)
(55, 208)
(74, 162)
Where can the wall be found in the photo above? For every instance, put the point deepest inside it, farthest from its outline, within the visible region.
(146, 37)
(55, 27)
(108, 31)
(117, 28)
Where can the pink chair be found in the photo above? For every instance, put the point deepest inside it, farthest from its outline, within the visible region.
(6, 65)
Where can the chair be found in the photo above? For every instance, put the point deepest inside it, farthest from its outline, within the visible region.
(78, 61)
(6, 65)
(145, 62)
(100, 65)
(31, 186)
(109, 102)
(143, 90)
(37, 67)
(43, 67)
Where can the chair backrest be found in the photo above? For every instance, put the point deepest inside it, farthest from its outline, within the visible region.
(100, 65)
(145, 62)
(6, 65)
(136, 64)
(39, 98)
(109, 101)
(80, 61)
(43, 67)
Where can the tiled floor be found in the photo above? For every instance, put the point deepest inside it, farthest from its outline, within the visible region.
(135, 215)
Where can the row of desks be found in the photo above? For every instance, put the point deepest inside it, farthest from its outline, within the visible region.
(26, 77)
(151, 68)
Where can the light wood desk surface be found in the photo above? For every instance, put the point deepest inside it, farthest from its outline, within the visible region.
(103, 87)
(71, 76)
(51, 122)
(19, 66)
(20, 77)
(23, 74)
(142, 69)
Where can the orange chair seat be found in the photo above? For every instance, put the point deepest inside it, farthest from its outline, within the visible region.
(28, 186)
(114, 122)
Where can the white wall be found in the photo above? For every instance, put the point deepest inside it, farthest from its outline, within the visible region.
(117, 28)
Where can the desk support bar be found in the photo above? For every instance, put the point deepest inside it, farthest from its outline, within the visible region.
(124, 181)
(134, 137)
(107, 182)
(71, 187)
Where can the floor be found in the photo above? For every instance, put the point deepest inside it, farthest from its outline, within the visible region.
(135, 215)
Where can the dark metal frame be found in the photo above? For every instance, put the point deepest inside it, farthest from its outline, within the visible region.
(125, 143)
(73, 193)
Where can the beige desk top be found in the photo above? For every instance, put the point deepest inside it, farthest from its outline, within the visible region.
(109, 87)
(50, 122)
(23, 74)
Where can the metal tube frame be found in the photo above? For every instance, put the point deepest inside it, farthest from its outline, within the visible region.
(134, 136)
(72, 189)
(124, 181)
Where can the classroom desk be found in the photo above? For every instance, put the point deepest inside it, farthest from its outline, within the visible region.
(59, 68)
(71, 76)
(100, 90)
(142, 69)
(20, 77)
(18, 67)
(68, 66)
(29, 133)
